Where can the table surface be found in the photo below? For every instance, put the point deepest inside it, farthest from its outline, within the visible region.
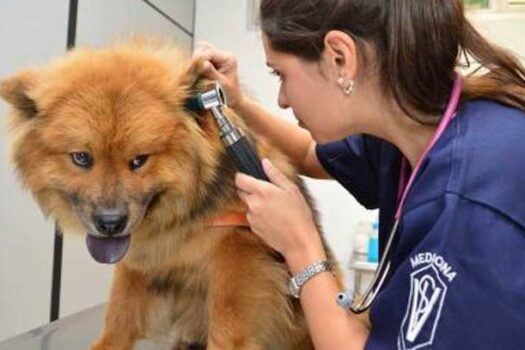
(75, 332)
(79, 331)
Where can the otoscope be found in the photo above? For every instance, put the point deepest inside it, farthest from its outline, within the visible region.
(237, 144)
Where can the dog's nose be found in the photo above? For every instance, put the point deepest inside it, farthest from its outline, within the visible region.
(110, 222)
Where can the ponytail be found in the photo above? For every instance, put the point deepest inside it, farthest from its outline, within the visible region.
(503, 77)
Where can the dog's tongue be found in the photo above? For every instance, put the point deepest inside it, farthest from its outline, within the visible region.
(107, 250)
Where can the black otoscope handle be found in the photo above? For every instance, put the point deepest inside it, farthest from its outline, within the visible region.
(243, 154)
(245, 158)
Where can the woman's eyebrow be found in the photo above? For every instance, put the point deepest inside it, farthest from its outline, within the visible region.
(270, 64)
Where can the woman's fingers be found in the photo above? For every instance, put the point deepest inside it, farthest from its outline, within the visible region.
(243, 195)
(202, 47)
(250, 184)
(221, 60)
(209, 71)
(204, 51)
(275, 175)
(220, 66)
(247, 184)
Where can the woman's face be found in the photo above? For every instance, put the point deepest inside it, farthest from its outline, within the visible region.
(317, 101)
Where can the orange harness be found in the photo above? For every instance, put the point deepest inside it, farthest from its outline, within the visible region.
(236, 219)
(230, 219)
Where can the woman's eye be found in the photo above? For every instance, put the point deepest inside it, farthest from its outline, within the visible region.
(82, 159)
(276, 73)
(138, 161)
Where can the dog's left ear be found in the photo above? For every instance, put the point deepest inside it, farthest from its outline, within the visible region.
(193, 82)
(191, 75)
(16, 89)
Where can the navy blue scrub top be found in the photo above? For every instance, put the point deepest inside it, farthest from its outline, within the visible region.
(459, 257)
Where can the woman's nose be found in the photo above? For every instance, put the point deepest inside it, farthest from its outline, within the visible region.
(283, 100)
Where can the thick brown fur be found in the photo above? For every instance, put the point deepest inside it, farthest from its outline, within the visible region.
(181, 280)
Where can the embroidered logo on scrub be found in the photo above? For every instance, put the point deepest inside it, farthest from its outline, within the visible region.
(428, 289)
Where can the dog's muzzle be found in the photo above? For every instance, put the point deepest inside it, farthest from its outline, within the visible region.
(110, 243)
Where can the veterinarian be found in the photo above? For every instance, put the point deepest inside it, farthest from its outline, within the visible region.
(385, 112)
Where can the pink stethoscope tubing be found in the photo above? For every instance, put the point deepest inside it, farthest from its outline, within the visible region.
(384, 267)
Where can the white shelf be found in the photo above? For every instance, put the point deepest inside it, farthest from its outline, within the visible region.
(362, 266)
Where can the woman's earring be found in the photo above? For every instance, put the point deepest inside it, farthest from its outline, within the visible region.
(347, 85)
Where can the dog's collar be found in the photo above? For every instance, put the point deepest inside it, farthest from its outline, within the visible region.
(230, 219)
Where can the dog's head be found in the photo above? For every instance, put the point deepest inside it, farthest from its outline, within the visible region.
(104, 143)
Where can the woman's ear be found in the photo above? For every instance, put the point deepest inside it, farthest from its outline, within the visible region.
(16, 90)
(341, 53)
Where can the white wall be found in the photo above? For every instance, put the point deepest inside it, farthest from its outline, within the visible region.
(505, 29)
(224, 24)
(101, 22)
(32, 32)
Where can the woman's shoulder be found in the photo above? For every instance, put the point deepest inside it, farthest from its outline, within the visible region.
(489, 156)
(491, 119)
(488, 133)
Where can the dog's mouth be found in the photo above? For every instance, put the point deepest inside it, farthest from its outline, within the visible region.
(108, 250)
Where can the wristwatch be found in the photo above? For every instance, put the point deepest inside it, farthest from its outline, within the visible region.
(296, 283)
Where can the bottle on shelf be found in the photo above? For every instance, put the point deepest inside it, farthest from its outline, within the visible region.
(361, 237)
(373, 243)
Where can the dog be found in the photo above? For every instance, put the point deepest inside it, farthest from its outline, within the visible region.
(103, 141)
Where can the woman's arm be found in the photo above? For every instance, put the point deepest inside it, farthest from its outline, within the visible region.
(331, 327)
(280, 215)
(294, 141)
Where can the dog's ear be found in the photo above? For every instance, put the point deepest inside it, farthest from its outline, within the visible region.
(16, 89)
(193, 82)
(191, 75)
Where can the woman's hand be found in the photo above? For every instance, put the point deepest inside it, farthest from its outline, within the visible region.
(221, 66)
(280, 215)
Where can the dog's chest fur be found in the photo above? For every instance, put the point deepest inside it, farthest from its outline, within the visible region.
(177, 308)
(177, 286)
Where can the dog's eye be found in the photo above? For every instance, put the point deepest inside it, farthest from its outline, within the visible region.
(138, 161)
(82, 159)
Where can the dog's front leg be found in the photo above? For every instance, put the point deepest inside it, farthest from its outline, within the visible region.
(233, 295)
(125, 311)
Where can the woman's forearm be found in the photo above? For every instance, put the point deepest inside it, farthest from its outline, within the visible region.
(294, 141)
(331, 327)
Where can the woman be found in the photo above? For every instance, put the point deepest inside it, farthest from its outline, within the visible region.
(375, 85)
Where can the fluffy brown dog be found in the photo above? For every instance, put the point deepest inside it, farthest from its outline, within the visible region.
(104, 143)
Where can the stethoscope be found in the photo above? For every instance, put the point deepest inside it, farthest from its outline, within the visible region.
(360, 306)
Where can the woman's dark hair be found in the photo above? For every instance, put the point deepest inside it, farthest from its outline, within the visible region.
(418, 44)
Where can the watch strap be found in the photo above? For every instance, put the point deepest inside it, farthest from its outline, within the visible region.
(296, 283)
